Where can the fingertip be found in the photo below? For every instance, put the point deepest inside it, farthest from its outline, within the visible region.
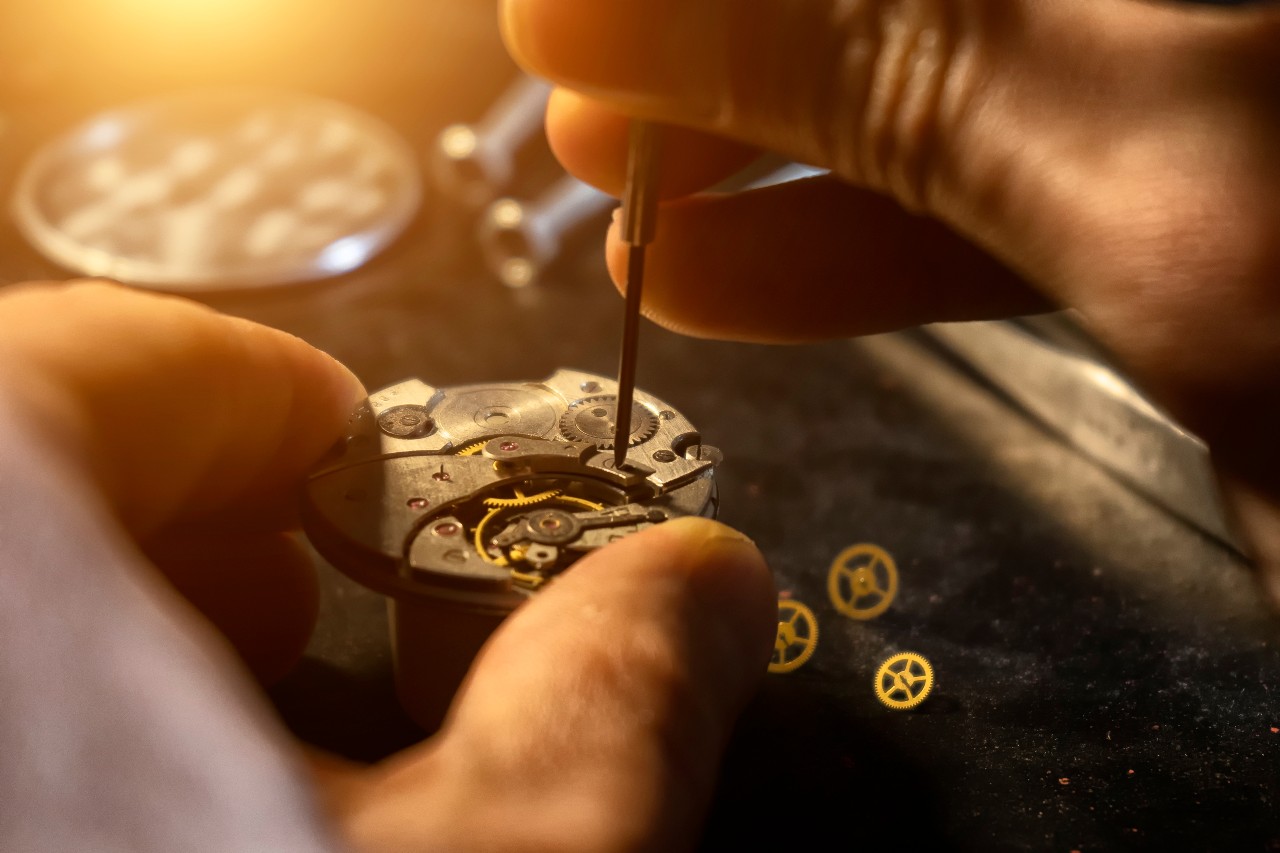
(708, 540)
(732, 583)
(719, 582)
(343, 390)
(590, 138)
(350, 390)
(328, 387)
(704, 588)
(561, 40)
(532, 32)
(629, 670)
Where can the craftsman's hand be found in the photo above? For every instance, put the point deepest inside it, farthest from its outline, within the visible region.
(593, 721)
(991, 157)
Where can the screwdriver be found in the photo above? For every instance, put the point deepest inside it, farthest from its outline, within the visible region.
(639, 210)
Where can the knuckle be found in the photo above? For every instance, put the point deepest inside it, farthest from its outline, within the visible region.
(902, 54)
(877, 86)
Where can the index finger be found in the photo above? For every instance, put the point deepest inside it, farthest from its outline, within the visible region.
(174, 410)
(590, 140)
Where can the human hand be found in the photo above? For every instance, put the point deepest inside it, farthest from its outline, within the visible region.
(991, 157)
(593, 720)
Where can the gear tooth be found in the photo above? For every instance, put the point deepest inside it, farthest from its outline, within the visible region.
(912, 700)
(530, 500)
(571, 431)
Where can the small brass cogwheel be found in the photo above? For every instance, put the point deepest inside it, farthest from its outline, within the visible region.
(592, 419)
(797, 637)
(904, 681)
(863, 581)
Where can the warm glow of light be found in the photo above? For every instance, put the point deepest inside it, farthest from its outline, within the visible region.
(458, 141)
(190, 13)
(208, 21)
(429, 61)
(518, 272)
(506, 214)
(171, 39)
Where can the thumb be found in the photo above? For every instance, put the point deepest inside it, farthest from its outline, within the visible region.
(595, 718)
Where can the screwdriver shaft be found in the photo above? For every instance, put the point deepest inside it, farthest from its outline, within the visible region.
(639, 210)
(627, 363)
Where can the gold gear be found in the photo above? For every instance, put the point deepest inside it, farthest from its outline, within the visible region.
(582, 502)
(797, 636)
(497, 505)
(472, 449)
(856, 568)
(904, 681)
(521, 500)
(580, 423)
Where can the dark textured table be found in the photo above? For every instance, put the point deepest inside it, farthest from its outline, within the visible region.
(1106, 678)
(1104, 673)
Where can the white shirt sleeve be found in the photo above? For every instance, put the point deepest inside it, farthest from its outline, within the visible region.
(124, 724)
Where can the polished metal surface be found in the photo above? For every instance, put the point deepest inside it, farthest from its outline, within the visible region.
(785, 173)
(1069, 388)
(520, 239)
(474, 163)
(520, 411)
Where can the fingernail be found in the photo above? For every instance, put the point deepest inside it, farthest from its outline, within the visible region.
(706, 532)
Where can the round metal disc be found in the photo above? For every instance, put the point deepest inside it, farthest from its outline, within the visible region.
(219, 189)
(495, 410)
